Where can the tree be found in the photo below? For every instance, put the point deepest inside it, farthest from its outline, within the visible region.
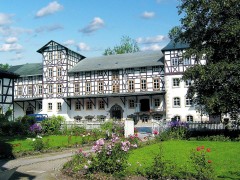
(212, 30)
(127, 45)
(5, 66)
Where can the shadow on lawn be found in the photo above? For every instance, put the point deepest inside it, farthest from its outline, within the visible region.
(6, 155)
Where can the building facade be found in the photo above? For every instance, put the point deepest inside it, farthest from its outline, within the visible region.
(144, 86)
(6, 90)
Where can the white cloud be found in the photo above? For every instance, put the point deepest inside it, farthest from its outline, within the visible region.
(149, 40)
(153, 47)
(10, 47)
(148, 15)
(11, 40)
(14, 31)
(83, 47)
(49, 28)
(97, 23)
(5, 19)
(69, 42)
(49, 9)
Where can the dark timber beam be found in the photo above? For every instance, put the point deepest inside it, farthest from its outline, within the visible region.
(123, 99)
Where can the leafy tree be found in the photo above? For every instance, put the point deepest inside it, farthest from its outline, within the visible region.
(127, 45)
(5, 66)
(212, 30)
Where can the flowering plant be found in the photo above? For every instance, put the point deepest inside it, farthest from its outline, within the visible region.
(202, 164)
(35, 128)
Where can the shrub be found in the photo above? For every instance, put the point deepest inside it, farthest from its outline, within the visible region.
(52, 125)
(202, 164)
(161, 168)
(38, 144)
(35, 128)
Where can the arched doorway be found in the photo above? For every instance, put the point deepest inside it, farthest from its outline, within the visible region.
(116, 112)
(29, 110)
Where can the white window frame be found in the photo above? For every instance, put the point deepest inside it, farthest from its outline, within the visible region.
(176, 102)
(76, 88)
(157, 103)
(101, 104)
(156, 84)
(176, 82)
(131, 86)
(59, 88)
(88, 87)
(188, 101)
(89, 105)
(59, 106)
(174, 61)
(77, 106)
(143, 84)
(50, 106)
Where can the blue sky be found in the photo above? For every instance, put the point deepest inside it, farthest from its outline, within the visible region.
(85, 26)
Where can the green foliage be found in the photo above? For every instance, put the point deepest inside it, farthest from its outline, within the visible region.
(38, 144)
(52, 125)
(21, 126)
(211, 29)
(202, 164)
(161, 168)
(5, 66)
(127, 45)
(178, 133)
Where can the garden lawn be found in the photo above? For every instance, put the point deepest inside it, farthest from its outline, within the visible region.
(22, 144)
(224, 155)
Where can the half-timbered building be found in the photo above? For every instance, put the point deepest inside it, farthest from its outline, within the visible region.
(143, 85)
(6, 90)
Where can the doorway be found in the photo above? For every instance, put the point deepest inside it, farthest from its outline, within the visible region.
(116, 112)
(29, 110)
(144, 105)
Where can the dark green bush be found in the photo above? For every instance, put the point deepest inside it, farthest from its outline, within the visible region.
(52, 125)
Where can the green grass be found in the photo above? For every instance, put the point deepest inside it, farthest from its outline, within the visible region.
(22, 144)
(224, 155)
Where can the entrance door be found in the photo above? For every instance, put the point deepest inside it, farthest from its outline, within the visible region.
(116, 112)
(29, 110)
(144, 105)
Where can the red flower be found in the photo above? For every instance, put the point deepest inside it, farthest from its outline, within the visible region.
(209, 161)
(208, 150)
(198, 148)
(202, 147)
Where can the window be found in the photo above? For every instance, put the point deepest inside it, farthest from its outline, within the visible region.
(59, 88)
(76, 88)
(143, 69)
(20, 90)
(100, 73)
(176, 82)
(156, 102)
(88, 105)
(49, 106)
(186, 61)
(130, 70)
(190, 118)
(101, 104)
(39, 89)
(156, 84)
(50, 55)
(131, 103)
(59, 72)
(177, 118)
(50, 88)
(143, 84)
(50, 72)
(115, 74)
(155, 68)
(189, 102)
(188, 83)
(131, 85)
(77, 105)
(59, 54)
(88, 87)
(100, 87)
(59, 106)
(176, 102)
(157, 117)
(30, 90)
(174, 61)
(88, 74)
(115, 88)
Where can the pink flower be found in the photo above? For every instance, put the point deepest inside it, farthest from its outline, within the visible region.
(85, 167)
(155, 132)
(134, 145)
(198, 148)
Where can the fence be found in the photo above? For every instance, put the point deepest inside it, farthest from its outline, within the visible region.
(86, 124)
